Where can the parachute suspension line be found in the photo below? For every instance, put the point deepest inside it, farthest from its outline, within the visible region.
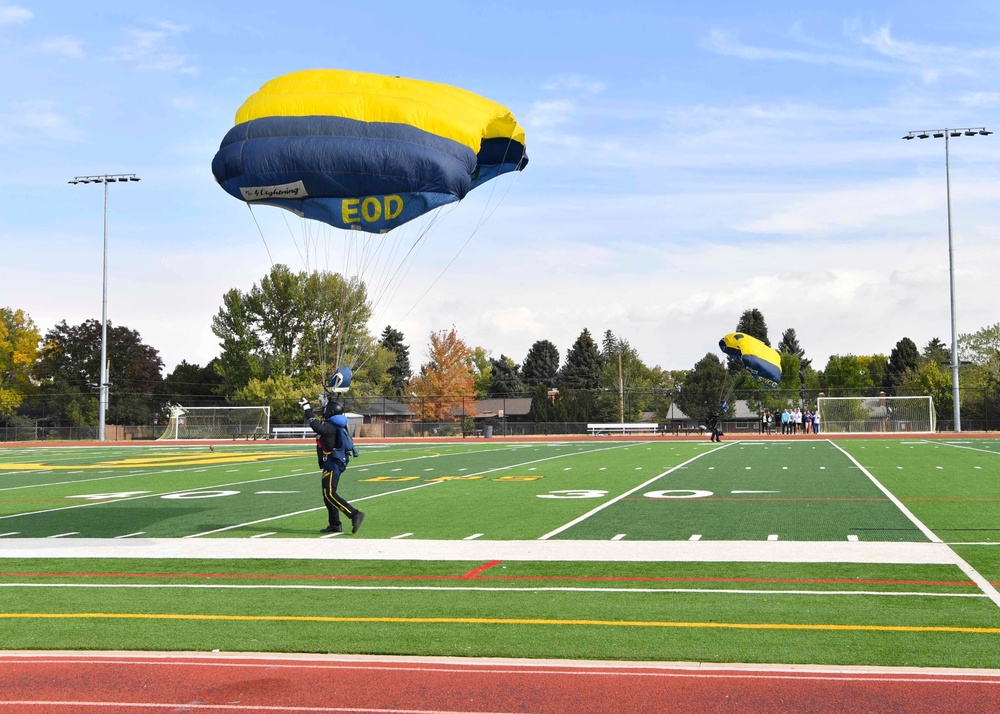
(262, 238)
(483, 218)
(305, 245)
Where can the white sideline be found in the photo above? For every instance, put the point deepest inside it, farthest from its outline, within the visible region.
(484, 550)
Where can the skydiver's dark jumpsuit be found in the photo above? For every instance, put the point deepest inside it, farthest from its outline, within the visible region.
(333, 456)
(713, 425)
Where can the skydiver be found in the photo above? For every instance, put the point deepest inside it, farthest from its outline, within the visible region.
(334, 448)
(713, 425)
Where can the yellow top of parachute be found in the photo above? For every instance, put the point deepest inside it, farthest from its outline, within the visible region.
(436, 108)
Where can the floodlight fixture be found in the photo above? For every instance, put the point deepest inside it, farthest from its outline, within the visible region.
(946, 133)
(104, 383)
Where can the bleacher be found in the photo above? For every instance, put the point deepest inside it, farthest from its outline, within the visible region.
(622, 429)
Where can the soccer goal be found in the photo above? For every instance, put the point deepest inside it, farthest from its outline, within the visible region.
(218, 423)
(876, 415)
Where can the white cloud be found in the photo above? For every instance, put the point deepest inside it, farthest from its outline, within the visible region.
(14, 14)
(574, 83)
(877, 50)
(152, 48)
(725, 43)
(71, 47)
(38, 119)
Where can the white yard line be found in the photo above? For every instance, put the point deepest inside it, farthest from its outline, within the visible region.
(971, 448)
(616, 499)
(972, 573)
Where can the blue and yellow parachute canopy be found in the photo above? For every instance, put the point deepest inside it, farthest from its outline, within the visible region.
(763, 363)
(364, 151)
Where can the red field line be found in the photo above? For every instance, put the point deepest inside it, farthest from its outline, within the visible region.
(482, 568)
(475, 574)
(122, 683)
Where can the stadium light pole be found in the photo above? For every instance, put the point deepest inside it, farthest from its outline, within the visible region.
(102, 402)
(947, 134)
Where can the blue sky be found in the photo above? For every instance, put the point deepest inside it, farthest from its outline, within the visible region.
(688, 162)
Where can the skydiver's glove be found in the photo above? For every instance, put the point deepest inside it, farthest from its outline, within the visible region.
(354, 452)
(304, 403)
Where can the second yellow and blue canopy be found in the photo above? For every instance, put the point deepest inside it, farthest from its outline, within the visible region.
(762, 362)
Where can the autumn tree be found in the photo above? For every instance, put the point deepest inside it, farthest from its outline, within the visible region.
(446, 382)
(19, 340)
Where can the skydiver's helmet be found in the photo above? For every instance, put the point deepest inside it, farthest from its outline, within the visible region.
(332, 408)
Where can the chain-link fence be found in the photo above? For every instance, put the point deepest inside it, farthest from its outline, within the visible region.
(522, 415)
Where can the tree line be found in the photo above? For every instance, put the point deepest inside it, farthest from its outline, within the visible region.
(283, 337)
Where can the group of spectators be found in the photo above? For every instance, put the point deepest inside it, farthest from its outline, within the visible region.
(790, 421)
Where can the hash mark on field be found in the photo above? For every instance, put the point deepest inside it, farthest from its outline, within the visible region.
(4, 535)
(129, 535)
(619, 536)
(264, 535)
(773, 536)
(473, 536)
(332, 535)
(695, 537)
(852, 538)
(401, 536)
(60, 535)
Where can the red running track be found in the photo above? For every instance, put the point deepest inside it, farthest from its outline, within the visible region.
(102, 683)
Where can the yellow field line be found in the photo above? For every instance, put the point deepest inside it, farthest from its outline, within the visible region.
(496, 621)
